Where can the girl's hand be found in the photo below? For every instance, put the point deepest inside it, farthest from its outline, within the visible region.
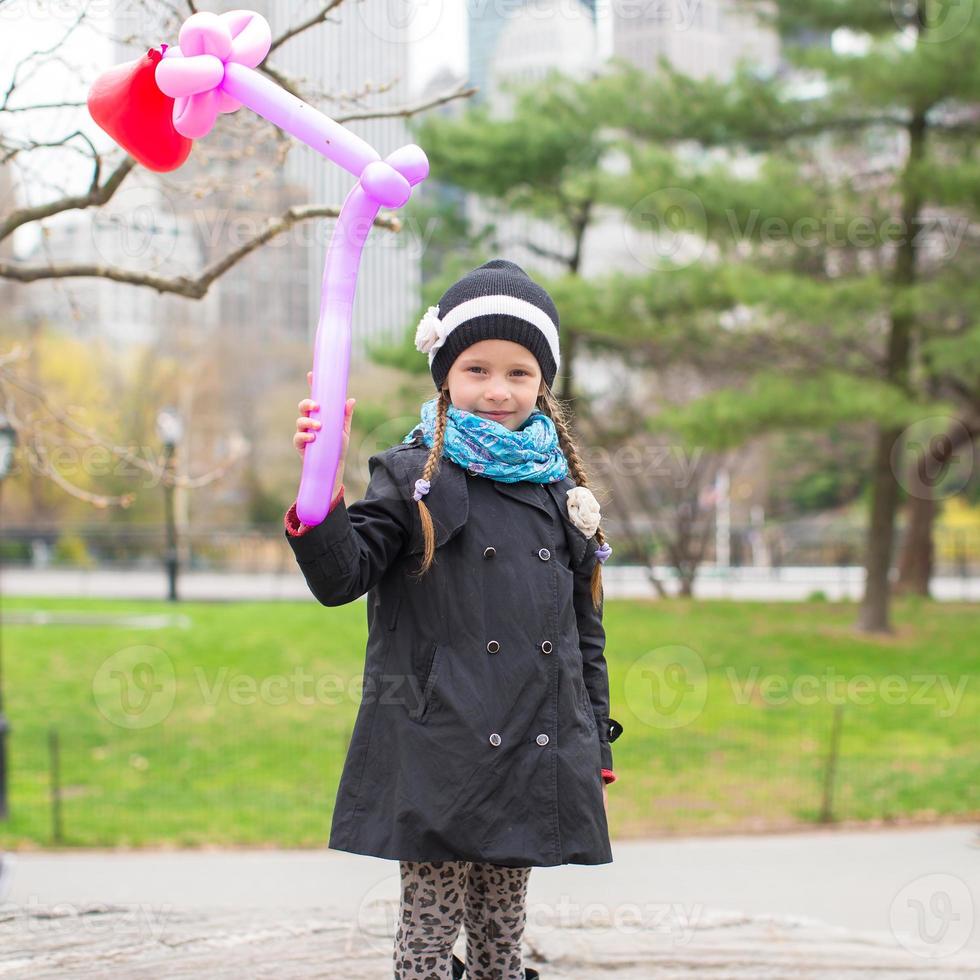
(306, 429)
(605, 796)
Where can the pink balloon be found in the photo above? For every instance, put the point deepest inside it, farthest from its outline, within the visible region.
(194, 70)
(212, 71)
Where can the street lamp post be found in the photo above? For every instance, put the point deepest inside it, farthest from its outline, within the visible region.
(8, 439)
(170, 429)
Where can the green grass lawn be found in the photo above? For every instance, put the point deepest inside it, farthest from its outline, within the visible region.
(237, 731)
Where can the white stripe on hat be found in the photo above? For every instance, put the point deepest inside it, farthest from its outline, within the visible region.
(512, 305)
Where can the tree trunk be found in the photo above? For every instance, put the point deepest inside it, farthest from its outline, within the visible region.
(915, 561)
(874, 615)
(878, 555)
(915, 566)
(566, 376)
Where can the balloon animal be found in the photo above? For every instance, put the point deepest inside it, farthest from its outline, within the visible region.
(156, 106)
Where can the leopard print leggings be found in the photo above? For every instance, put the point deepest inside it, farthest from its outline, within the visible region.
(440, 896)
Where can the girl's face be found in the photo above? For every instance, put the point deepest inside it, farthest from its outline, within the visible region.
(496, 376)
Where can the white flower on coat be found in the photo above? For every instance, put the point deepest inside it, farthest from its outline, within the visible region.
(431, 333)
(583, 510)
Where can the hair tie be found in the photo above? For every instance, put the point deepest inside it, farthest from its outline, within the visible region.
(421, 488)
(603, 552)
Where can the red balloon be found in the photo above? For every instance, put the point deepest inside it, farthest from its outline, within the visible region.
(127, 104)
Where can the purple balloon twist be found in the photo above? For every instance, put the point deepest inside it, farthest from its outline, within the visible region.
(212, 71)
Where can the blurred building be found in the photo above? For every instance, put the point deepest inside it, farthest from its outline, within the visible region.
(519, 44)
(523, 40)
(701, 39)
(360, 62)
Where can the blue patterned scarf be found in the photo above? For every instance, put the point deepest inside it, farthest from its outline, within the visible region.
(490, 449)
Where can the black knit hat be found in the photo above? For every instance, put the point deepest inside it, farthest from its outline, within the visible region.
(497, 301)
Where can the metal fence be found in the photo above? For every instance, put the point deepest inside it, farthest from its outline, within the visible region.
(263, 549)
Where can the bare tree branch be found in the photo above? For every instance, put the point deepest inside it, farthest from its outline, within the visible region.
(44, 105)
(97, 195)
(283, 80)
(192, 288)
(38, 458)
(32, 145)
(39, 54)
(461, 92)
(320, 17)
(541, 250)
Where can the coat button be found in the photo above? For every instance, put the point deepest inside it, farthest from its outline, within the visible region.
(544, 554)
(493, 646)
(542, 739)
(489, 552)
(495, 739)
(546, 646)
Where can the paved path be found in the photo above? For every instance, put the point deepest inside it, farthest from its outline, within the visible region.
(827, 905)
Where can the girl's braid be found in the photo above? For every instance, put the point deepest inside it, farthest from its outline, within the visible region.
(551, 406)
(428, 471)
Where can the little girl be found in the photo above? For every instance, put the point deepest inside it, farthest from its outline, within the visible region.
(481, 746)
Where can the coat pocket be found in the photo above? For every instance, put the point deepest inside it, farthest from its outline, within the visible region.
(426, 684)
(392, 613)
(586, 703)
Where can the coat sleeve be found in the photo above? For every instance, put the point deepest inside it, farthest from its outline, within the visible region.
(349, 551)
(592, 640)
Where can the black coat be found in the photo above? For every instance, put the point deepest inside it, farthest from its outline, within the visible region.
(484, 722)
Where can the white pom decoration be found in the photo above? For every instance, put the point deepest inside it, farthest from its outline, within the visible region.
(430, 334)
(583, 510)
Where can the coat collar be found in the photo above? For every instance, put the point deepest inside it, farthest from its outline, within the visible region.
(448, 503)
